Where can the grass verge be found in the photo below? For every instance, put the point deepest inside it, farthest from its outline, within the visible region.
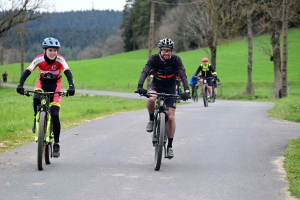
(15, 129)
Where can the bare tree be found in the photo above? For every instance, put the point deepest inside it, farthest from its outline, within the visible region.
(113, 45)
(273, 20)
(93, 51)
(211, 22)
(201, 27)
(246, 12)
(173, 26)
(11, 13)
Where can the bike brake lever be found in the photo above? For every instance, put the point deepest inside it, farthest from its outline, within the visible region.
(26, 93)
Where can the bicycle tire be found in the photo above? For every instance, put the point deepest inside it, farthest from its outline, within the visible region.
(204, 94)
(49, 148)
(196, 95)
(160, 132)
(212, 99)
(41, 141)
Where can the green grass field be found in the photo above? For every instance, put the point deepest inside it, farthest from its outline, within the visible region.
(121, 73)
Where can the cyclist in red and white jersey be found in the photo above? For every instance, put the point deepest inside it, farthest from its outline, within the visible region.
(50, 65)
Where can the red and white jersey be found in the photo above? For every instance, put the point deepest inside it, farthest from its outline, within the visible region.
(59, 65)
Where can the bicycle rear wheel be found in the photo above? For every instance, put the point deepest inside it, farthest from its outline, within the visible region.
(160, 132)
(49, 147)
(213, 97)
(204, 94)
(41, 141)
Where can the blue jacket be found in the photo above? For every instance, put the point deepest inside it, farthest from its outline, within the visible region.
(193, 80)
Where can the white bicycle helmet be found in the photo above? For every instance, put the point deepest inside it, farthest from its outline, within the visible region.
(166, 42)
(50, 43)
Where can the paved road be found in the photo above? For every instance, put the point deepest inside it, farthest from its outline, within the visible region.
(229, 150)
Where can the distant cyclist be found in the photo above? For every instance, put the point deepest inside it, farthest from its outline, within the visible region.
(193, 82)
(214, 83)
(51, 65)
(205, 70)
(178, 87)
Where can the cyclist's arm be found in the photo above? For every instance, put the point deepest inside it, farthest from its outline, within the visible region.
(181, 72)
(198, 71)
(211, 69)
(24, 76)
(69, 77)
(146, 71)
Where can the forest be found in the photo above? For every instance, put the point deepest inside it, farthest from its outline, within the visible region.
(76, 31)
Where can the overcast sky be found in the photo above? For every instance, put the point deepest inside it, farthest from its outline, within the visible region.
(68, 5)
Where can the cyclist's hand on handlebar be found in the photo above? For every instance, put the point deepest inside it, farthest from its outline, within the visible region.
(142, 91)
(20, 89)
(71, 90)
(186, 95)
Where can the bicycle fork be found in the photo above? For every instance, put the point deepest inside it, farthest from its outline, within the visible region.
(48, 130)
(156, 123)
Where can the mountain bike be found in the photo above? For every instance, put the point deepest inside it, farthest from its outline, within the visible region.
(160, 126)
(205, 92)
(44, 129)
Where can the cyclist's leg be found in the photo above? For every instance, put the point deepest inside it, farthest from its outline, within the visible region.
(171, 122)
(201, 82)
(151, 100)
(215, 88)
(171, 105)
(55, 121)
(35, 102)
(151, 108)
(171, 131)
(209, 83)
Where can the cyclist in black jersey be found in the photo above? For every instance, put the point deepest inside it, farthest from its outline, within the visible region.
(164, 66)
(214, 82)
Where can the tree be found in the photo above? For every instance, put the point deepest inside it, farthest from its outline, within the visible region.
(11, 14)
(211, 21)
(247, 12)
(92, 51)
(135, 25)
(273, 20)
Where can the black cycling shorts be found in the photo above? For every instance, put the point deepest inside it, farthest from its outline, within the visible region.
(168, 89)
(208, 79)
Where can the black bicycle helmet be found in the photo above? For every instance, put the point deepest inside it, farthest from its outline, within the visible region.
(166, 42)
(50, 43)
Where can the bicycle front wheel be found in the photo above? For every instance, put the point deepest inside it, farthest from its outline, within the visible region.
(160, 132)
(204, 94)
(49, 147)
(41, 140)
(213, 96)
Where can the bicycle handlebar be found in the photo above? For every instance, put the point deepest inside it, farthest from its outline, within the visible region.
(148, 95)
(28, 93)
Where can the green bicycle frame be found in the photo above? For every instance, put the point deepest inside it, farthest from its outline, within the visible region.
(38, 115)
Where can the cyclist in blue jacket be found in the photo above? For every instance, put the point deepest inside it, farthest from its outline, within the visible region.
(193, 82)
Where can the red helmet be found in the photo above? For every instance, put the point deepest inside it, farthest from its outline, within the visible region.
(204, 59)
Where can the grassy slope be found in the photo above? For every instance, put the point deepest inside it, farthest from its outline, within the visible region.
(121, 72)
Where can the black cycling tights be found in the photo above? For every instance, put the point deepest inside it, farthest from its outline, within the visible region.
(54, 115)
